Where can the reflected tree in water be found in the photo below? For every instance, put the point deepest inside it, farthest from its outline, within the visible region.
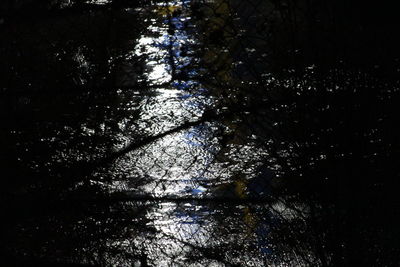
(198, 133)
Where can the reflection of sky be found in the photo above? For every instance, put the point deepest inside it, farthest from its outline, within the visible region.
(156, 69)
(181, 156)
(178, 164)
(180, 228)
(181, 164)
(174, 164)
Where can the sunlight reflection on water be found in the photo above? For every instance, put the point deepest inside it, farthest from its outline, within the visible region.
(191, 133)
(174, 163)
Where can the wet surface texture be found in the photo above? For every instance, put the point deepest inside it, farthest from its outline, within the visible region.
(199, 133)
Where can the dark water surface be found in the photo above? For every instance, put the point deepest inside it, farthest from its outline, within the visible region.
(199, 133)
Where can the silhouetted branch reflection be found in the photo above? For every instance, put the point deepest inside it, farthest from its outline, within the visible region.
(198, 133)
